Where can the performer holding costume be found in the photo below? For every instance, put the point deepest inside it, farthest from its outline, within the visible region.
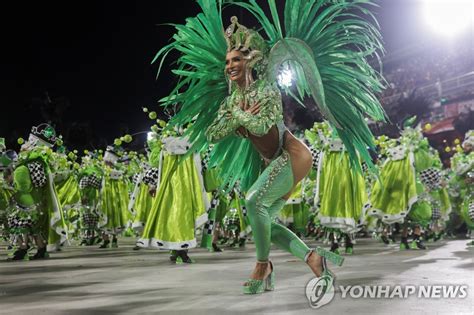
(340, 81)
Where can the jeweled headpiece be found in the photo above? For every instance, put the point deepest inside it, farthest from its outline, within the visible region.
(249, 42)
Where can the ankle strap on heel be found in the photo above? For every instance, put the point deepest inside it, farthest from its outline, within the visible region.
(308, 254)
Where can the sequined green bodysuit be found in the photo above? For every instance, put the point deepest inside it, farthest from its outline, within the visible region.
(265, 197)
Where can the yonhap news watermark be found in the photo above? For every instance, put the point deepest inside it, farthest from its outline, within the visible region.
(404, 292)
(320, 291)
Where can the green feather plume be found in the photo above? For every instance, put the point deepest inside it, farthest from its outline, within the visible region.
(327, 44)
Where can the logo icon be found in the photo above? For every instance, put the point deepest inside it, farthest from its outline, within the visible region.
(320, 291)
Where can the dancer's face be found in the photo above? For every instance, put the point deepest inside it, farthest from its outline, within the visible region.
(235, 67)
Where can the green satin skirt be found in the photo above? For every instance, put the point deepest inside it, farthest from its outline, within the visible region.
(295, 215)
(341, 192)
(445, 202)
(69, 197)
(393, 195)
(5, 195)
(68, 193)
(179, 206)
(293, 206)
(114, 206)
(421, 211)
(222, 208)
(142, 207)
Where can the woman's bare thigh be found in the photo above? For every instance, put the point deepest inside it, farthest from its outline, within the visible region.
(300, 158)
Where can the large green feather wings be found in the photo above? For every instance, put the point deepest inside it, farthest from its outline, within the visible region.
(327, 43)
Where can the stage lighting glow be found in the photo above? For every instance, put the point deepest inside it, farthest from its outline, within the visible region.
(150, 135)
(285, 78)
(449, 17)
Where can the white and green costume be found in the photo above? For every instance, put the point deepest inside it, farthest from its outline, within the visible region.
(36, 209)
(181, 202)
(146, 181)
(462, 164)
(340, 192)
(114, 198)
(90, 181)
(394, 194)
(67, 187)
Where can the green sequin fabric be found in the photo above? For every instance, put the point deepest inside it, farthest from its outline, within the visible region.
(231, 116)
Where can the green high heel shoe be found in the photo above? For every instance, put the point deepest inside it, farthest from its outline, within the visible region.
(254, 286)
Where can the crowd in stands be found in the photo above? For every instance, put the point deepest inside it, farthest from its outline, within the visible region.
(430, 66)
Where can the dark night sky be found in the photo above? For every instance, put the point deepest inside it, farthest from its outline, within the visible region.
(97, 55)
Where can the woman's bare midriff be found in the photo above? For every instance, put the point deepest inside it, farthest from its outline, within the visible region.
(300, 155)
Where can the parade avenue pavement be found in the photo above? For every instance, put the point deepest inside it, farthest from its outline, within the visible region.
(89, 280)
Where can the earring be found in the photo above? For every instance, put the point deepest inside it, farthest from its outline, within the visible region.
(248, 75)
(229, 84)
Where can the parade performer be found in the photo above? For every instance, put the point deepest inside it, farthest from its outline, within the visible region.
(228, 88)
(90, 180)
(462, 164)
(434, 179)
(146, 185)
(114, 198)
(36, 212)
(210, 232)
(180, 203)
(146, 182)
(340, 191)
(67, 187)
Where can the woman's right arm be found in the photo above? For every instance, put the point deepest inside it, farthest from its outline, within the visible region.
(223, 125)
